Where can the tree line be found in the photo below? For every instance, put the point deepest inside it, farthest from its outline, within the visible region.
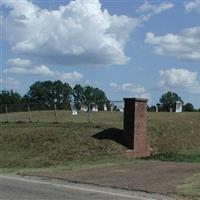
(168, 101)
(45, 94)
(48, 93)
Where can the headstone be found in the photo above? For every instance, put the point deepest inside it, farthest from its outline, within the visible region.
(170, 110)
(121, 109)
(94, 108)
(73, 109)
(84, 108)
(105, 107)
(112, 107)
(156, 108)
(135, 136)
(179, 106)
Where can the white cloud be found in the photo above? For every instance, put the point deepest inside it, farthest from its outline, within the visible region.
(9, 83)
(113, 85)
(18, 62)
(131, 89)
(69, 77)
(43, 70)
(179, 79)
(39, 70)
(186, 45)
(192, 5)
(148, 10)
(79, 33)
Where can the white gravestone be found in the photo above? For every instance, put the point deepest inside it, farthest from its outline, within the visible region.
(105, 107)
(84, 108)
(73, 109)
(179, 106)
(121, 109)
(156, 108)
(112, 107)
(94, 108)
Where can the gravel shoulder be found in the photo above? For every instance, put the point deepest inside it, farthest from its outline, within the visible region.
(148, 176)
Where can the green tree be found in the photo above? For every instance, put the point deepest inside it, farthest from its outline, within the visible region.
(188, 107)
(78, 93)
(48, 92)
(94, 94)
(9, 97)
(89, 94)
(168, 100)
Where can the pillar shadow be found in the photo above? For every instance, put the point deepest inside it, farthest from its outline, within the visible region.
(113, 134)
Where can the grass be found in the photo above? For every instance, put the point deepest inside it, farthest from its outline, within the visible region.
(175, 136)
(191, 188)
(47, 144)
(72, 144)
(63, 116)
(172, 136)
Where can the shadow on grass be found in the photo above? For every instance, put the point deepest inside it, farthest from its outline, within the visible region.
(113, 134)
(175, 157)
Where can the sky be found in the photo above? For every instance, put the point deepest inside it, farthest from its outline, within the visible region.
(126, 48)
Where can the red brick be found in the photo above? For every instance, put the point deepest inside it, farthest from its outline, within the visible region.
(135, 112)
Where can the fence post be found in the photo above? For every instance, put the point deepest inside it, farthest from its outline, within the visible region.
(55, 112)
(29, 114)
(7, 120)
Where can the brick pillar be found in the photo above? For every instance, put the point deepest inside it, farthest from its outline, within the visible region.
(135, 111)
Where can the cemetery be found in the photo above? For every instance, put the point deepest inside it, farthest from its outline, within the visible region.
(114, 135)
(126, 135)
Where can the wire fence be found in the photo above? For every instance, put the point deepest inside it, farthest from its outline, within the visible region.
(97, 112)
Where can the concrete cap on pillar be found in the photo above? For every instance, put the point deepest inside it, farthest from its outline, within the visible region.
(136, 99)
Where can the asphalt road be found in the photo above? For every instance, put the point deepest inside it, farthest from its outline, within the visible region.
(29, 188)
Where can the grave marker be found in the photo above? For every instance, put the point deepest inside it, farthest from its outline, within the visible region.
(73, 109)
(105, 107)
(179, 106)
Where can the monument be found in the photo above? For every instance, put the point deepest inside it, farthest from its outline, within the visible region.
(94, 107)
(112, 107)
(157, 109)
(73, 109)
(179, 106)
(84, 108)
(105, 107)
(121, 109)
(135, 136)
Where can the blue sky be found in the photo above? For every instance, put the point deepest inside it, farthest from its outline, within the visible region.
(126, 48)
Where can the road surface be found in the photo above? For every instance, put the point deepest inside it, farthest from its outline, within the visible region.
(14, 187)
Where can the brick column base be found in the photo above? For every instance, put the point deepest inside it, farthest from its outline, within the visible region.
(135, 137)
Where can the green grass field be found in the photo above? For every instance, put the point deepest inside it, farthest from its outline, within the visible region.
(173, 136)
(63, 116)
(191, 188)
(73, 143)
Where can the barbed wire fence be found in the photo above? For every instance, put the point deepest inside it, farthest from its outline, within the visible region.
(98, 112)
